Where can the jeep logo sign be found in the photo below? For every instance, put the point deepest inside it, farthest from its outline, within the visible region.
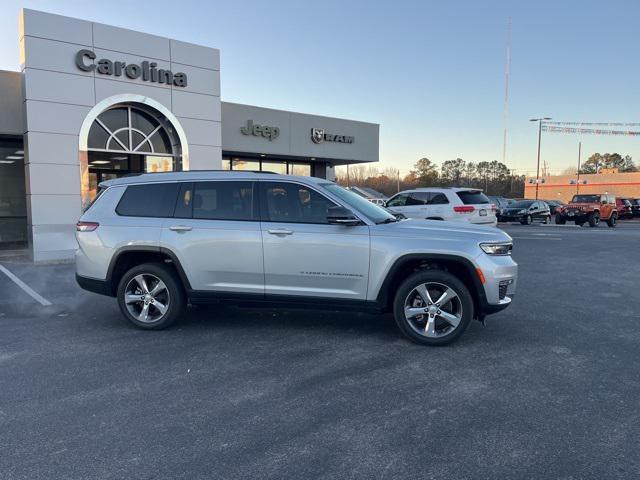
(318, 135)
(260, 130)
(148, 71)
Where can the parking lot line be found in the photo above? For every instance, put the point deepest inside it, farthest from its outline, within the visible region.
(30, 291)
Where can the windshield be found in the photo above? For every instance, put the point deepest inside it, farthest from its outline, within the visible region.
(373, 212)
(585, 199)
(521, 204)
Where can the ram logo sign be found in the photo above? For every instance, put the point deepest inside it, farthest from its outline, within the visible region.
(318, 135)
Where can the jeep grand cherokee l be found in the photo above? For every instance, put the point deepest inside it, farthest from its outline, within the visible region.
(159, 241)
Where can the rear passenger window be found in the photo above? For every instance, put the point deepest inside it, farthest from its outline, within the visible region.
(438, 199)
(473, 197)
(150, 200)
(222, 200)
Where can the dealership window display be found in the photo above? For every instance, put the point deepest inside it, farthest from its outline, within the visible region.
(282, 167)
(13, 204)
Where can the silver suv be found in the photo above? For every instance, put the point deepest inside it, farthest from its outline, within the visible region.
(159, 241)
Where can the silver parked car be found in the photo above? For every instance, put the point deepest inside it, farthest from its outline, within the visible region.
(159, 241)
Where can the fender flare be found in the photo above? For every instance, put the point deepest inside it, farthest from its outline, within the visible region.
(148, 249)
(477, 292)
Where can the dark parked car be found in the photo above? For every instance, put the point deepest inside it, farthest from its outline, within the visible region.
(526, 211)
(635, 206)
(500, 203)
(625, 208)
(554, 205)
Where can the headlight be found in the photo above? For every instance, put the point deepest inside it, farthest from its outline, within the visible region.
(497, 248)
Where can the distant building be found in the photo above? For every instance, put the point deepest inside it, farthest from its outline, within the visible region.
(563, 187)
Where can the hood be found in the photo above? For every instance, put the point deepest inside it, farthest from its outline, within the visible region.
(417, 228)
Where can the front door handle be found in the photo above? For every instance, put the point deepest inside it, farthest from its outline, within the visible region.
(280, 231)
(180, 228)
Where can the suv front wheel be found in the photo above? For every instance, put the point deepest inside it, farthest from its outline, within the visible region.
(433, 307)
(150, 296)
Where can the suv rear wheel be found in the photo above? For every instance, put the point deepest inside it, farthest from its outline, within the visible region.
(560, 220)
(150, 296)
(594, 219)
(433, 307)
(613, 220)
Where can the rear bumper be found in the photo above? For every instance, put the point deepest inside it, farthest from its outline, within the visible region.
(94, 285)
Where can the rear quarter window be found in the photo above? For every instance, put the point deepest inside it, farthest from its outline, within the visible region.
(150, 200)
(473, 197)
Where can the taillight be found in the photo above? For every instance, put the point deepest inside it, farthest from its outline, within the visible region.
(464, 209)
(493, 207)
(86, 226)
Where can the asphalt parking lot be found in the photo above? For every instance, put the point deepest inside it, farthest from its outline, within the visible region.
(548, 389)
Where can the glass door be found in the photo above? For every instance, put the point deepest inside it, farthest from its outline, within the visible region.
(13, 198)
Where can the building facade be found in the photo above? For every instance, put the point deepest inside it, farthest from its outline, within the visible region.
(564, 187)
(93, 102)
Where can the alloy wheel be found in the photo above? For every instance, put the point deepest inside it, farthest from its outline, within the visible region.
(147, 298)
(433, 309)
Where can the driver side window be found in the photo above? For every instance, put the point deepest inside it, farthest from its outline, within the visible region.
(292, 203)
(398, 201)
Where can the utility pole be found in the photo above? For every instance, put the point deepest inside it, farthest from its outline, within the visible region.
(539, 120)
(578, 175)
(505, 113)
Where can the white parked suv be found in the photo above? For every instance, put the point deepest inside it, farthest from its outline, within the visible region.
(159, 241)
(452, 204)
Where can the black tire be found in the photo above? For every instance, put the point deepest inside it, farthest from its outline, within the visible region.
(560, 220)
(174, 296)
(444, 279)
(613, 220)
(594, 219)
(526, 220)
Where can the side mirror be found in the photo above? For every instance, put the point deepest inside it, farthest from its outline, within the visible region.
(337, 215)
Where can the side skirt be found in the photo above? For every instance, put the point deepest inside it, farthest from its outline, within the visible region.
(203, 297)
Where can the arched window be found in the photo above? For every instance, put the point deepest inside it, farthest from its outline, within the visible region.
(131, 130)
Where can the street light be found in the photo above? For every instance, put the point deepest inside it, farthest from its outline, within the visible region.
(539, 120)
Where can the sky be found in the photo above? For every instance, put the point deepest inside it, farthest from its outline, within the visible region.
(432, 74)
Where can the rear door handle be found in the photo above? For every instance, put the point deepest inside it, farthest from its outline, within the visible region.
(180, 228)
(280, 231)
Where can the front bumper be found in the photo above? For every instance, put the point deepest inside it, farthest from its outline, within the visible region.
(511, 218)
(497, 270)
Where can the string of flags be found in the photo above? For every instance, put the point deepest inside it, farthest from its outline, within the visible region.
(593, 124)
(589, 131)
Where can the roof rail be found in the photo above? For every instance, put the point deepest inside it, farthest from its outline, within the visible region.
(135, 174)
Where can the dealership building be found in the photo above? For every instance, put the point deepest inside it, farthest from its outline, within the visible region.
(93, 102)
